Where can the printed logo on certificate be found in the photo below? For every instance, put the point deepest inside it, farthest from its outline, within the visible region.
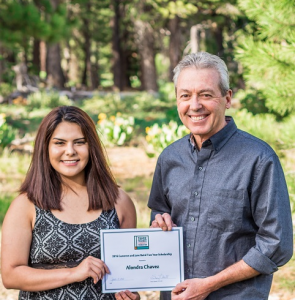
(141, 242)
(142, 259)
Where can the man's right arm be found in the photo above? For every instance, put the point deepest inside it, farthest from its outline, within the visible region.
(158, 203)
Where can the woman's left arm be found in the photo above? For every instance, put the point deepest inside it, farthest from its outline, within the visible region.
(127, 217)
(125, 210)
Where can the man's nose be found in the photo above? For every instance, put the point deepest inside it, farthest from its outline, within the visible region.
(195, 103)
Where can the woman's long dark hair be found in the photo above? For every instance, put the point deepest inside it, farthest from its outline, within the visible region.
(43, 185)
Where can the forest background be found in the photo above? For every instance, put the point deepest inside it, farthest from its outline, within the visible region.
(114, 59)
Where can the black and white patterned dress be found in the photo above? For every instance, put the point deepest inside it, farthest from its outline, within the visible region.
(56, 244)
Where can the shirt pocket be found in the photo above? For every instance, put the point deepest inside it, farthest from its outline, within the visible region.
(225, 210)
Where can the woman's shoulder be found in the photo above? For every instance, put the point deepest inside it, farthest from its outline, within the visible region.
(21, 209)
(22, 201)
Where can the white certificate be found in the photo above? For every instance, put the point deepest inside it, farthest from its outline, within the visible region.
(142, 259)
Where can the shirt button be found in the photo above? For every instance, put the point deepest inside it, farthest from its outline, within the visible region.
(192, 219)
(188, 245)
(196, 193)
(200, 168)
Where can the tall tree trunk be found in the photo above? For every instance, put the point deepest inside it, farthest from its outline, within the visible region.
(55, 76)
(87, 62)
(1, 63)
(42, 56)
(145, 39)
(36, 57)
(94, 70)
(174, 44)
(219, 39)
(116, 46)
(119, 62)
(86, 48)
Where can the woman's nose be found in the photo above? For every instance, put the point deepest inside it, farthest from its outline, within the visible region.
(70, 149)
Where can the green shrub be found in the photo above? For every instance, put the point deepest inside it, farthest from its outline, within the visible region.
(159, 137)
(43, 100)
(5, 89)
(5, 201)
(7, 133)
(115, 130)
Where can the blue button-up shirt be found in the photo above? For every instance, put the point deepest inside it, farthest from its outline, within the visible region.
(231, 199)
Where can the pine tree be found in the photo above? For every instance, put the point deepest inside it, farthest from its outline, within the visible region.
(267, 53)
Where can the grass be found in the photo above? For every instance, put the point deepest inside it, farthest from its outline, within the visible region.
(284, 281)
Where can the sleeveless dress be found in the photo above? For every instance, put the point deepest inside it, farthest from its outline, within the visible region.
(56, 244)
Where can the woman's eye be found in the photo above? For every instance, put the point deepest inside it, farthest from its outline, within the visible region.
(81, 143)
(58, 143)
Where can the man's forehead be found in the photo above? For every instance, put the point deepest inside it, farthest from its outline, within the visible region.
(205, 79)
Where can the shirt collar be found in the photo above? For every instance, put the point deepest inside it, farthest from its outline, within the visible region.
(219, 139)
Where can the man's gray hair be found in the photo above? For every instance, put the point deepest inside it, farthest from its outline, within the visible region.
(204, 60)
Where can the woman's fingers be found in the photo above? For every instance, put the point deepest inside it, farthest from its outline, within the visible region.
(91, 267)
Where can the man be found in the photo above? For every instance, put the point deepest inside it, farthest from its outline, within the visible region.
(227, 190)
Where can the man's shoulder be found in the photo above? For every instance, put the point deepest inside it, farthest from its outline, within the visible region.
(253, 144)
(179, 147)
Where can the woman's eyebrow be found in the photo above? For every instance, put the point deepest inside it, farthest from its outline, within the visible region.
(59, 139)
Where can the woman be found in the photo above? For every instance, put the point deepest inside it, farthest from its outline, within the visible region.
(51, 232)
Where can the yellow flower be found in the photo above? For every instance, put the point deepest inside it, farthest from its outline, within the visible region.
(113, 118)
(102, 116)
(148, 138)
(119, 114)
(147, 129)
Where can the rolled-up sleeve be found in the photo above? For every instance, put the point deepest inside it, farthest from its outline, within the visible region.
(272, 214)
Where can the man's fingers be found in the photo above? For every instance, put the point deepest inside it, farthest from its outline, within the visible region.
(155, 224)
(168, 221)
(179, 288)
(161, 221)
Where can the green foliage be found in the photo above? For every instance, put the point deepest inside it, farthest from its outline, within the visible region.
(5, 200)
(5, 89)
(41, 100)
(159, 137)
(115, 130)
(19, 21)
(7, 133)
(169, 9)
(268, 54)
(140, 105)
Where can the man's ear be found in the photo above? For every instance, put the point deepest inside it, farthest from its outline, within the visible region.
(228, 97)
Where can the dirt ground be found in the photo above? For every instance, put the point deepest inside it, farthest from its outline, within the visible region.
(129, 162)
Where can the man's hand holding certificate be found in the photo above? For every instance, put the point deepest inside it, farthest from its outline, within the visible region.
(142, 259)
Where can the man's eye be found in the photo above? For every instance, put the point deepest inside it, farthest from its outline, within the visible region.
(206, 96)
(184, 96)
